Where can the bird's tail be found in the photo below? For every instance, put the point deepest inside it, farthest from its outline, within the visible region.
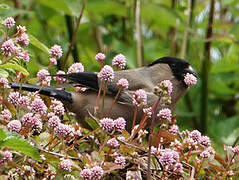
(48, 91)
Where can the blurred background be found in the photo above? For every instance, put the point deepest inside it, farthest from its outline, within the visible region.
(204, 32)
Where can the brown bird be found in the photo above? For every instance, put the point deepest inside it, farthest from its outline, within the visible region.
(146, 78)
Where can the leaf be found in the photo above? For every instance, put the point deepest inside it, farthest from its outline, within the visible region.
(92, 123)
(74, 6)
(35, 42)
(106, 8)
(2, 134)
(15, 67)
(3, 73)
(220, 160)
(10, 107)
(59, 6)
(16, 142)
(224, 67)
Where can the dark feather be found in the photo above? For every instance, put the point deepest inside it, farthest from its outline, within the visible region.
(86, 79)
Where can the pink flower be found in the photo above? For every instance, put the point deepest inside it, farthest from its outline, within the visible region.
(57, 107)
(66, 165)
(120, 124)
(9, 22)
(97, 172)
(38, 106)
(75, 68)
(195, 135)
(24, 101)
(235, 149)
(7, 156)
(24, 56)
(190, 79)
(53, 121)
(165, 114)
(113, 143)
(120, 160)
(62, 130)
(107, 124)
(53, 61)
(23, 40)
(30, 120)
(168, 157)
(14, 126)
(174, 129)
(8, 47)
(44, 76)
(4, 82)
(148, 111)
(13, 98)
(178, 167)
(139, 97)
(6, 115)
(56, 51)
(86, 173)
(106, 73)
(59, 79)
(205, 154)
(100, 57)
(205, 140)
(123, 83)
(167, 86)
(119, 61)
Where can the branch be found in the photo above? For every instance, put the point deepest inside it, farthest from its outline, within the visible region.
(205, 71)
(138, 34)
(63, 64)
(69, 25)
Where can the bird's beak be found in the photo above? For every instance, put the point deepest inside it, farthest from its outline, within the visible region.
(191, 71)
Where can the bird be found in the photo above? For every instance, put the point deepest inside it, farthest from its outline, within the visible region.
(146, 78)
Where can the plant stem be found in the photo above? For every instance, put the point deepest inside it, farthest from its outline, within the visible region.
(63, 64)
(154, 108)
(103, 100)
(134, 119)
(111, 106)
(98, 98)
(205, 71)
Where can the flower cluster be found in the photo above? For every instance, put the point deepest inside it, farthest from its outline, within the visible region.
(119, 61)
(106, 73)
(13, 45)
(100, 57)
(108, 124)
(75, 68)
(139, 97)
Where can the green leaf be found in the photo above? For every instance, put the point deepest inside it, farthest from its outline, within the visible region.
(74, 6)
(223, 67)
(3, 73)
(15, 67)
(92, 123)
(106, 8)
(35, 42)
(59, 6)
(2, 134)
(15, 141)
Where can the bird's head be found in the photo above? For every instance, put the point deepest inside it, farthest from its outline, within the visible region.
(179, 67)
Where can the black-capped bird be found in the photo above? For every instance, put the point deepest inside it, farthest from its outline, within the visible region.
(146, 78)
